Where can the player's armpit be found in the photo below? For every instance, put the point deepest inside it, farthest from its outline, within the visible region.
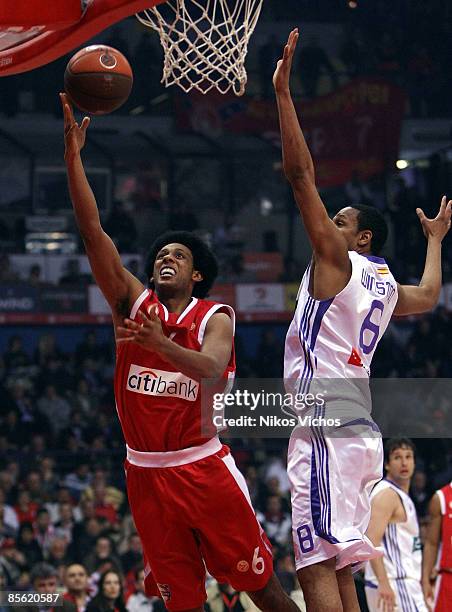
(217, 342)
(413, 299)
(327, 241)
(383, 507)
(119, 287)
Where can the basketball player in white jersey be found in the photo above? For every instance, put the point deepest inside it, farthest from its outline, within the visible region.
(394, 581)
(346, 299)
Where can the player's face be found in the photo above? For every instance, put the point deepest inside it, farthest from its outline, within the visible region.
(401, 464)
(173, 268)
(346, 220)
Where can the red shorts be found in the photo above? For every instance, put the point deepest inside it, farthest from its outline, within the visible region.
(443, 592)
(192, 517)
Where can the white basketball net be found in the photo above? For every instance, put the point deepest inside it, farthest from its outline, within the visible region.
(205, 42)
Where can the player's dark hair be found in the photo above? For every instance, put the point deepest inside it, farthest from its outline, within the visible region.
(393, 444)
(203, 258)
(370, 218)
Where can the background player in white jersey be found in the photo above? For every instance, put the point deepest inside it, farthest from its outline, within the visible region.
(346, 299)
(394, 581)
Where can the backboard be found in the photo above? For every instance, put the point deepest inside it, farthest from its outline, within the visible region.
(33, 34)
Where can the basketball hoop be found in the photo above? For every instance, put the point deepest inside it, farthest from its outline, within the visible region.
(205, 42)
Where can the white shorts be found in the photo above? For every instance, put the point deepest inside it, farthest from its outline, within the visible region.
(408, 592)
(331, 480)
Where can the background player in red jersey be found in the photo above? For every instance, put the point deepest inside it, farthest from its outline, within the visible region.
(168, 340)
(439, 536)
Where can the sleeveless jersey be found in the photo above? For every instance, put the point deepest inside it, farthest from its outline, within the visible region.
(401, 541)
(336, 338)
(445, 498)
(161, 409)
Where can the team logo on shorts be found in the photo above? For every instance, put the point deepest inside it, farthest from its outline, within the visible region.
(243, 566)
(165, 591)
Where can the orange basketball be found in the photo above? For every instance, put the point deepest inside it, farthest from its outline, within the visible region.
(98, 79)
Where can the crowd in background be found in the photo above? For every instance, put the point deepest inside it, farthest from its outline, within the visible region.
(62, 494)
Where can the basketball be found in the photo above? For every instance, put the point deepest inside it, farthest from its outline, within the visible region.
(98, 79)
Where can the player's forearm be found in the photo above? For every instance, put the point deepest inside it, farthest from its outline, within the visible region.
(297, 160)
(82, 197)
(429, 556)
(191, 363)
(379, 570)
(432, 277)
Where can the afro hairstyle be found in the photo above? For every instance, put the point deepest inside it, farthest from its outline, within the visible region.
(203, 258)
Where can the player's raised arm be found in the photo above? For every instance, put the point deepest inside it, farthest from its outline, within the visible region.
(327, 242)
(422, 298)
(431, 546)
(119, 286)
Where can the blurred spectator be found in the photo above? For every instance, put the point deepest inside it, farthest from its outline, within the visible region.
(103, 552)
(43, 529)
(27, 544)
(34, 277)
(79, 480)
(8, 514)
(49, 480)
(57, 553)
(47, 349)
(313, 62)
(102, 508)
(55, 408)
(89, 349)
(33, 483)
(77, 588)
(26, 509)
(7, 272)
(419, 493)
(110, 594)
(73, 275)
(15, 355)
(11, 559)
(277, 524)
(133, 555)
(65, 523)
(139, 601)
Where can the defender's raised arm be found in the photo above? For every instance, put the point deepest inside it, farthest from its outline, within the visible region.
(119, 287)
(327, 242)
(415, 299)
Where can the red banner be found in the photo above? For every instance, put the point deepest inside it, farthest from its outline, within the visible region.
(355, 128)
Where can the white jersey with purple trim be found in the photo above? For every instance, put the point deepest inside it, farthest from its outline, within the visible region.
(336, 338)
(401, 541)
(402, 556)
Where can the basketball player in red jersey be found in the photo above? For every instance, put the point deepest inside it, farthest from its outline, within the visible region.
(189, 502)
(439, 536)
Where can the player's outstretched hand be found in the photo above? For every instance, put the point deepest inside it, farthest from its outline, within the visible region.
(74, 134)
(146, 331)
(440, 225)
(281, 78)
(386, 601)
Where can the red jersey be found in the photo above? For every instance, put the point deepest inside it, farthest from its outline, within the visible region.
(445, 498)
(158, 406)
